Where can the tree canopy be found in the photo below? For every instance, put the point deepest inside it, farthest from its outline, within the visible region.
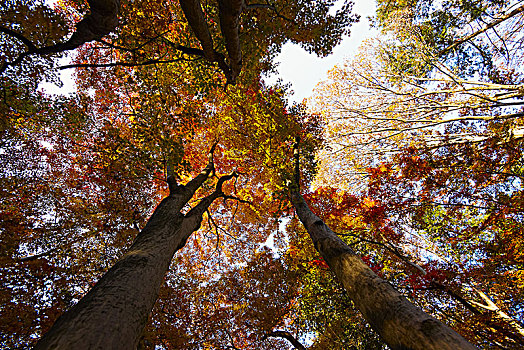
(176, 200)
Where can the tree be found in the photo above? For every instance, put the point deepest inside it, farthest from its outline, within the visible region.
(367, 107)
(123, 144)
(140, 41)
(323, 306)
(399, 323)
(116, 309)
(427, 148)
(148, 107)
(459, 224)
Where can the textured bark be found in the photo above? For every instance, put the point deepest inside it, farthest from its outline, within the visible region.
(101, 20)
(113, 314)
(229, 12)
(400, 324)
(230, 26)
(195, 17)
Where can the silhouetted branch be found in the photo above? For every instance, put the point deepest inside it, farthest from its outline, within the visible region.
(120, 64)
(288, 336)
(484, 29)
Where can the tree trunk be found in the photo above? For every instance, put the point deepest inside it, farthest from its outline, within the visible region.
(229, 25)
(229, 13)
(400, 324)
(195, 17)
(115, 311)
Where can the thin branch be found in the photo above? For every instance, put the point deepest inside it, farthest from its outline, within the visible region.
(36, 256)
(487, 27)
(119, 64)
(288, 336)
(20, 37)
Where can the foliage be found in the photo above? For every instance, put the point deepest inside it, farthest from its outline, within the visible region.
(82, 173)
(423, 139)
(323, 307)
(450, 31)
(420, 170)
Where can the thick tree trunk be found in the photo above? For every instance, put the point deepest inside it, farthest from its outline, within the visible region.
(401, 324)
(195, 17)
(230, 26)
(229, 12)
(113, 314)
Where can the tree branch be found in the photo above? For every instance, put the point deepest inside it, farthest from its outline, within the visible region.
(120, 64)
(288, 336)
(484, 29)
(202, 206)
(20, 37)
(220, 59)
(101, 20)
(36, 256)
(197, 181)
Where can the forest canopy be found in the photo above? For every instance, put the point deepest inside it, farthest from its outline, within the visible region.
(177, 200)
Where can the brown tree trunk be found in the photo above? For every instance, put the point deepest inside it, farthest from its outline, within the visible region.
(230, 26)
(229, 13)
(401, 324)
(195, 17)
(113, 314)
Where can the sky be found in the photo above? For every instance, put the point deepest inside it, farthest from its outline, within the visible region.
(303, 70)
(298, 68)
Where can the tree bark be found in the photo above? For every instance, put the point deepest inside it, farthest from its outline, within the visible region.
(400, 324)
(115, 311)
(195, 17)
(229, 11)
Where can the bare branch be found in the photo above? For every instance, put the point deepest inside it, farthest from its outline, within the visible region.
(119, 64)
(484, 29)
(20, 37)
(288, 336)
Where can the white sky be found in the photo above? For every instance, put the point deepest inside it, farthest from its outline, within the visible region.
(297, 67)
(303, 70)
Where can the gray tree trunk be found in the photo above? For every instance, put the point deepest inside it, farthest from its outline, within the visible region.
(115, 311)
(400, 324)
